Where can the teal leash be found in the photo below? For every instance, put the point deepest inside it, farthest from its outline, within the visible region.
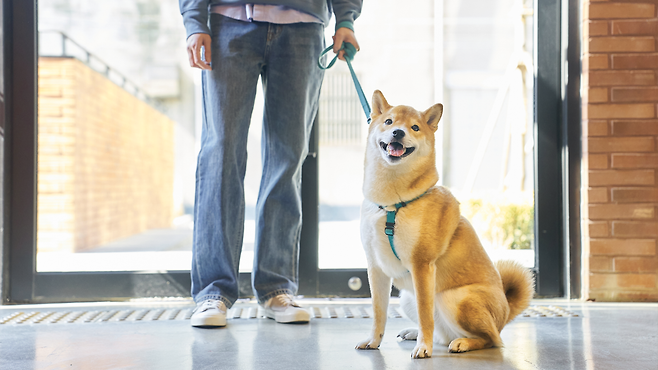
(350, 51)
(389, 230)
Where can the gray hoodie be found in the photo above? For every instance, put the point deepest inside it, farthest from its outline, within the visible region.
(195, 12)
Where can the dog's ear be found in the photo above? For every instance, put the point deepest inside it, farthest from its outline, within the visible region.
(379, 104)
(433, 115)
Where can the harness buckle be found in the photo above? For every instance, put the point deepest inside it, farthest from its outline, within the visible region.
(388, 230)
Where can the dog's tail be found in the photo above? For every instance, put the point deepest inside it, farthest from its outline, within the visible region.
(518, 285)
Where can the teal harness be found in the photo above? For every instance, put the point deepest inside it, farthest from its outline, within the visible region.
(389, 229)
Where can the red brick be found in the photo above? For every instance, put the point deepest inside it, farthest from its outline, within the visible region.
(635, 264)
(635, 128)
(598, 111)
(621, 144)
(598, 229)
(622, 78)
(598, 161)
(645, 94)
(623, 247)
(597, 128)
(635, 161)
(627, 195)
(597, 195)
(636, 280)
(615, 177)
(635, 229)
(597, 95)
(601, 264)
(598, 61)
(635, 27)
(621, 211)
(621, 10)
(598, 28)
(634, 61)
(621, 44)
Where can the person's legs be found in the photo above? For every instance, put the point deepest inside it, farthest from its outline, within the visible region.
(229, 91)
(291, 84)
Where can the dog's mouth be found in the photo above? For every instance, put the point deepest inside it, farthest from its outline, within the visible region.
(395, 149)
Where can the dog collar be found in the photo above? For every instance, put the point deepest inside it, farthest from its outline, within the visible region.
(389, 229)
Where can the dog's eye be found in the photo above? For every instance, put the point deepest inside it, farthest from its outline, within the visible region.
(415, 127)
(388, 122)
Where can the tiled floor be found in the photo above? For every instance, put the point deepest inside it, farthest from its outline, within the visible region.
(157, 335)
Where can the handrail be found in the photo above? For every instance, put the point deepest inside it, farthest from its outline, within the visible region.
(105, 69)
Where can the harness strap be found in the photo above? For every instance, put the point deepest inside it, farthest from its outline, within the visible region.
(389, 229)
(350, 51)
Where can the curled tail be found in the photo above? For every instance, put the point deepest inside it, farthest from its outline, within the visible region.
(518, 285)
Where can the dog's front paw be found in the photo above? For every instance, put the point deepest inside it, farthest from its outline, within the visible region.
(422, 350)
(408, 334)
(369, 344)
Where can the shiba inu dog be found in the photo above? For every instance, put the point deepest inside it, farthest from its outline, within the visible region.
(414, 237)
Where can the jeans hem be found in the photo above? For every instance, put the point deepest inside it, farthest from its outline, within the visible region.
(227, 302)
(273, 294)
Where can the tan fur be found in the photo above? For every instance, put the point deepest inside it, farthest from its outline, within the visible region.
(448, 284)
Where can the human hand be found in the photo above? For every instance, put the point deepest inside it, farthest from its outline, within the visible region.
(194, 44)
(344, 34)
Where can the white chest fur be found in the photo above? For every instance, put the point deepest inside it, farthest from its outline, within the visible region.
(377, 245)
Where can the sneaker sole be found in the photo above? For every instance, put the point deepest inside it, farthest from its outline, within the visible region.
(285, 319)
(208, 321)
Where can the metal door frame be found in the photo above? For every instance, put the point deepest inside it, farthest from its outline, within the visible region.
(21, 283)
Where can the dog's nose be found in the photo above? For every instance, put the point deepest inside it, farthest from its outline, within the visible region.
(398, 134)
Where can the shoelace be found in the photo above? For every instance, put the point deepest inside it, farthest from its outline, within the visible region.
(286, 300)
(207, 305)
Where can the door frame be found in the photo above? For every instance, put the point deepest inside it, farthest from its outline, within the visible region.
(556, 129)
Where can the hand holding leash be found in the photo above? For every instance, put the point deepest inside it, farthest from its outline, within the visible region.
(344, 35)
(348, 51)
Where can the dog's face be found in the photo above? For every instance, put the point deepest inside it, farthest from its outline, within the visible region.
(402, 132)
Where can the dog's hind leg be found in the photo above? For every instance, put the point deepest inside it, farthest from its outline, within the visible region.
(472, 319)
(408, 307)
(441, 331)
(468, 344)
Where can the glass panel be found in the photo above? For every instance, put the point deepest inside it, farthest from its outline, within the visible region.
(475, 57)
(119, 129)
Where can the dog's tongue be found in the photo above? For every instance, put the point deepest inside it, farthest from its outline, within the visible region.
(395, 149)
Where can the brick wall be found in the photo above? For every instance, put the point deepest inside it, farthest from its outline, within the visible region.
(105, 160)
(620, 135)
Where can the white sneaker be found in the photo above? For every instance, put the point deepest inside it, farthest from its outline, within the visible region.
(284, 310)
(211, 312)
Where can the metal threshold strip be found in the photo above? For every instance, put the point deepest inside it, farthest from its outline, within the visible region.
(248, 311)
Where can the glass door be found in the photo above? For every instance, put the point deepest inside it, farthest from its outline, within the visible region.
(117, 137)
(106, 213)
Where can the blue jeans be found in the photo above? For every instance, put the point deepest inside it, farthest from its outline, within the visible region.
(285, 57)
